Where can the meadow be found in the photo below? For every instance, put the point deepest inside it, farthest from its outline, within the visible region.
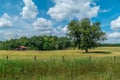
(103, 63)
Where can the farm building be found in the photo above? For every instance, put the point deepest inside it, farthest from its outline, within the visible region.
(22, 48)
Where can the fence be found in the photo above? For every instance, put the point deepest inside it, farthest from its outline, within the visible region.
(63, 58)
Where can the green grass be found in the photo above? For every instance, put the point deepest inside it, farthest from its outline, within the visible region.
(98, 64)
(76, 69)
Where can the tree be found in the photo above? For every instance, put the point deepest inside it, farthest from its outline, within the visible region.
(37, 43)
(86, 35)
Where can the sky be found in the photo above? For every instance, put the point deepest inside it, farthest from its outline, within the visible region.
(20, 18)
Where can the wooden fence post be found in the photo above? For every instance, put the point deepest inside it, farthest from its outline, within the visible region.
(63, 58)
(7, 57)
(35, 58)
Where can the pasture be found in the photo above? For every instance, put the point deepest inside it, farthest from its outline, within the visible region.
(103, 63)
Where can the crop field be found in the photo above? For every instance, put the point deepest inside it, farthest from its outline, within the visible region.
(103, 63)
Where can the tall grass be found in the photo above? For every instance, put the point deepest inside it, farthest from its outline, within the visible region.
(61, 69)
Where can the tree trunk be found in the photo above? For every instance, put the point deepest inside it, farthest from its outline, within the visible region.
(86, 50)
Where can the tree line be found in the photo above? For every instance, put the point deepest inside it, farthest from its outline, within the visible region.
(109, 45)
(81, 34)
(37, 43)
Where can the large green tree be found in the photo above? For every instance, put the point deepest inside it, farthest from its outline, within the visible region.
(86, 35)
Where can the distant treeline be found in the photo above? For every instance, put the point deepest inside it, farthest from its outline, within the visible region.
(109, 45)
(43, 43)
(37, 43)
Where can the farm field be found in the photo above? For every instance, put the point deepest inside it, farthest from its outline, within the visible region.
(103, 63)
(73, 54)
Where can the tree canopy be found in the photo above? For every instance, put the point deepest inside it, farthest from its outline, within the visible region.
(37, 43)
(86, 35)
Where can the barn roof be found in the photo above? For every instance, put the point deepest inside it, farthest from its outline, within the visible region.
(22, 47)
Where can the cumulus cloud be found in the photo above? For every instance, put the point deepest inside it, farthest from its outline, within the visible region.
(10, 35)
(30, 10)
(5, 21)
(60, 31)
(43, 25)
(68, 9)
(114, 35)
(113, 38)
(6, 35)
(115, 24)
(15, 34)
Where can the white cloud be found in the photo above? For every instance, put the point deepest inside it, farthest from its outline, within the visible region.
(5, 21)
(115, 24)
(10, 35)
(114, 35)
(43, 25)
(65, 29)
(68, 9)
(6, 35)
(113, 38)
(60, 31)
(30, 10)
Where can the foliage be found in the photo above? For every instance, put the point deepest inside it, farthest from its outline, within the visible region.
(37, 43)
(109, 45)
(86, 35)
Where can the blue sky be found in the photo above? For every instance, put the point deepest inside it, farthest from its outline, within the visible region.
(50, 17)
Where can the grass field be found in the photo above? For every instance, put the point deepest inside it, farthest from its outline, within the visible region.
(103, 63)
(98, 52)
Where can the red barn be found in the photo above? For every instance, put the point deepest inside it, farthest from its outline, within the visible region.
(21, 48)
